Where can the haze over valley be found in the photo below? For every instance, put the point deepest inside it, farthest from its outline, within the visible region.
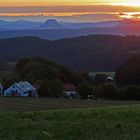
(53, 30)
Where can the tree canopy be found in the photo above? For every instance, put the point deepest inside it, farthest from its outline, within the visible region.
(36, 69)
(129, 73)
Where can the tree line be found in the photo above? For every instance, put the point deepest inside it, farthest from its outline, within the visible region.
(50, 78)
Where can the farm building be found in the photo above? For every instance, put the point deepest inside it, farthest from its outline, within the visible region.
(108, 74)
(70, 91)
(23, 89)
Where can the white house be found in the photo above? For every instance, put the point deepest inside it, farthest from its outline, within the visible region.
(24, 89)
(70, 91)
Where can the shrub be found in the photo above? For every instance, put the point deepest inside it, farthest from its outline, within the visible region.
(107, 91)
(130, 93)
(84, 90)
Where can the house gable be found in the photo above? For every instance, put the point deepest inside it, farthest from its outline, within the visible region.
(21, 89)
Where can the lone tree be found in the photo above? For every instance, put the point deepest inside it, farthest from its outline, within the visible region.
(129, 73)
(43, 88)
(56, 88)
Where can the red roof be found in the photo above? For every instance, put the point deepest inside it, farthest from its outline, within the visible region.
(69, 87)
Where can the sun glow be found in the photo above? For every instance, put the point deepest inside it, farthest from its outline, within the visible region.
(68, 2)
(134, 3)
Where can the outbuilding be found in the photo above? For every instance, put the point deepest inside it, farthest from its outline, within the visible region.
(70, 91)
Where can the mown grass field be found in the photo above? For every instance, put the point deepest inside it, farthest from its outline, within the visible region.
(59, 119)
(41, 104)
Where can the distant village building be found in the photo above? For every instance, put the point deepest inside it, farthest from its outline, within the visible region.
(23, 89)
(109, 75)
(110, 79)
(1, 89)
(70, 91)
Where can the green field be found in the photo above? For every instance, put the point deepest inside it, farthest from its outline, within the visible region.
(14, 104)
(60, 119)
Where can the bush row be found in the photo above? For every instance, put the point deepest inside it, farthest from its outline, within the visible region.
(112, 92)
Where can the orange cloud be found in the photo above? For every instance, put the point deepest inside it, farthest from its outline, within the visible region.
(82, 12)
(68, 8)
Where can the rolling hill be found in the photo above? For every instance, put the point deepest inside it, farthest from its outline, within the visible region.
(92, 53)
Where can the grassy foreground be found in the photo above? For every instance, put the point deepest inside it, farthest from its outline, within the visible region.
(111, 123)
(14, 104)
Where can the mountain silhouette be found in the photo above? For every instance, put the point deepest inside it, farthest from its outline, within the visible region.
(52, 24)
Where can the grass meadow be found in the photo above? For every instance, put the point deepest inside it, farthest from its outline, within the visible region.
(59, 119)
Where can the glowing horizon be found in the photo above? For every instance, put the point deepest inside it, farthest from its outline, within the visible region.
(68, 2)
(92, 9)
(133, 4)
(45, 2)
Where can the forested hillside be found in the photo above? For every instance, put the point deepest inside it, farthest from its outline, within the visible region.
(92, 53)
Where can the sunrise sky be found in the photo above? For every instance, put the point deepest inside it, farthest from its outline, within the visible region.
(70, 10)
(66, 2)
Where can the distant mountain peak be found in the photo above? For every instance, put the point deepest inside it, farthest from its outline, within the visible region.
(51, 21)
(52, 24)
